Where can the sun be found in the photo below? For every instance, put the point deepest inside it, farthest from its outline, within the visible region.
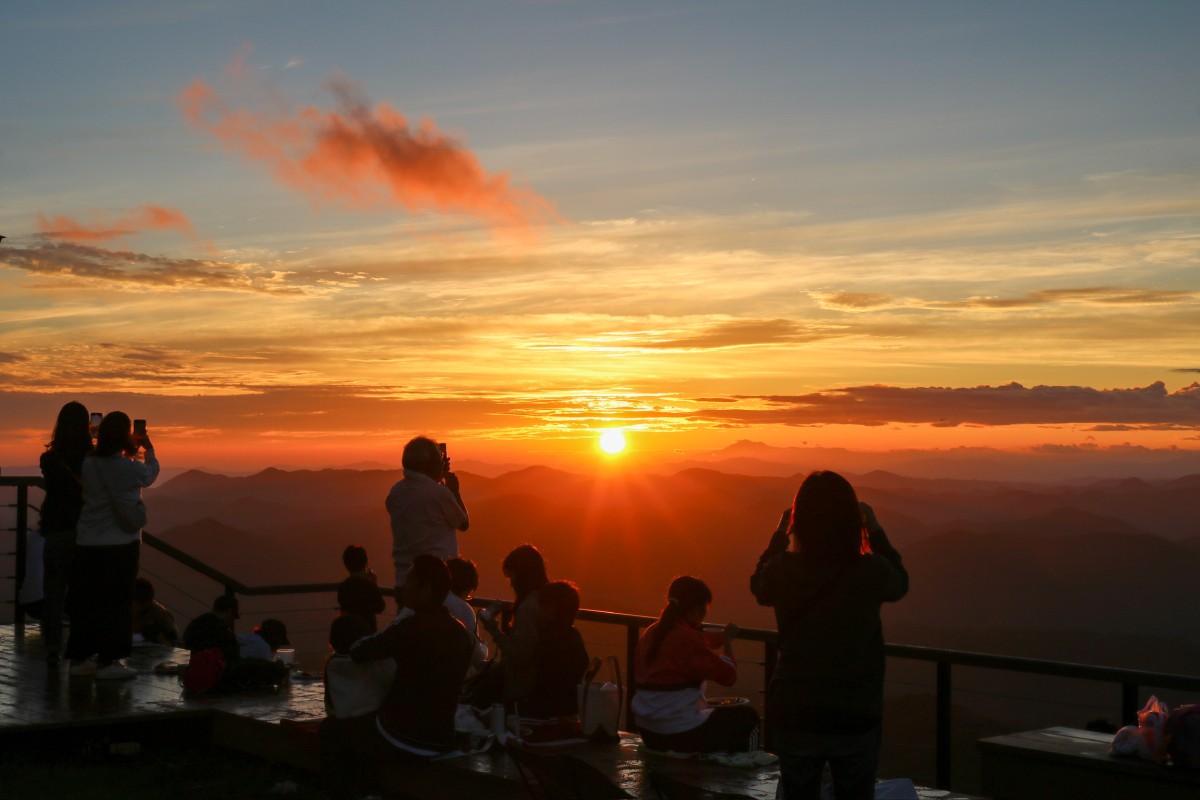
(612, 441)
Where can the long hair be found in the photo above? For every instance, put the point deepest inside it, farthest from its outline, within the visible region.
(684, 595)
(72, 435)
(827, 523)
(115, 436)
(526, 568)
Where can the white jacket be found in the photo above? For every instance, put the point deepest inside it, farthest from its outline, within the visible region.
(125, 478)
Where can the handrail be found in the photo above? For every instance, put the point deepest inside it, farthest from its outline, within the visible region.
(944, 660)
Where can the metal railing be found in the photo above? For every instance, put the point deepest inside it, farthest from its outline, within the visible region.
(1129, 680)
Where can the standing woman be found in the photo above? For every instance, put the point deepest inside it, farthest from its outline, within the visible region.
(62, 472)
(106, 553)
(826, 574)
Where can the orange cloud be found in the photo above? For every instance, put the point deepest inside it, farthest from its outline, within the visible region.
(147, 218)
(358, 155)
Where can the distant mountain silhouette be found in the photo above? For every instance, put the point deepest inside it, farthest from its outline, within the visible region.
(981, 553)
(1109, 582)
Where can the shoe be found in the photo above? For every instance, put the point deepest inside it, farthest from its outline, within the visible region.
(116, 671)
(82, 669)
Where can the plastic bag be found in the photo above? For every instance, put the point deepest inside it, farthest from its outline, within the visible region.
(600, 706)
(1144, 740)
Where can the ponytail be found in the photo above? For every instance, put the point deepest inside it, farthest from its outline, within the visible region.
(684, 595)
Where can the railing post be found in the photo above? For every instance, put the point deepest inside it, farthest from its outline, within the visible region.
(770, 656)
(631, 640)
(1129, 703)
(943, 724)
(21, 555)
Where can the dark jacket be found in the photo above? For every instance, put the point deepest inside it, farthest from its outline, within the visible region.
(208, 630)
(432, 651)
(831, 660)
(560, 661)
(362, 597)
(64, 490)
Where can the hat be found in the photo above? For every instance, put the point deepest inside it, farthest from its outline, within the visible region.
(227, 602)
(273, 633)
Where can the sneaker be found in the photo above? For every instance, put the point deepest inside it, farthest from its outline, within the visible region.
(82, 669)
(116, 671)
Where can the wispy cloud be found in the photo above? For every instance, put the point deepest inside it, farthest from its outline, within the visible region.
(133, 269)
(103, 228)
(1098, 295)
(358, 155)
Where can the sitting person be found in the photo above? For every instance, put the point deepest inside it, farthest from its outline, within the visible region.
(560, 657)
(215, 629)
(347, 739)
(431, 651)
(674, 658)
(264, 640)
(213, 646)
(353, 689)
(151, 620)
(515, 632)
(464, 580)
(359, 593)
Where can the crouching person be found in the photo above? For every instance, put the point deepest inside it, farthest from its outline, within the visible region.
(431, 650)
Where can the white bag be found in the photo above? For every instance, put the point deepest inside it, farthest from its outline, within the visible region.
(600, 705)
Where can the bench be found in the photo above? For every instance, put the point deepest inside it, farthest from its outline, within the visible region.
(1065, 762)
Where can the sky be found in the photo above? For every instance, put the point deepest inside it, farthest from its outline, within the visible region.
(300, 233)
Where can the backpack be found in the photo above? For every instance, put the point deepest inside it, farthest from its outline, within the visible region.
(205, 669)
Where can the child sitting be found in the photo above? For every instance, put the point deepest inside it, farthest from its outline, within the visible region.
(359, 593)
(560, 658)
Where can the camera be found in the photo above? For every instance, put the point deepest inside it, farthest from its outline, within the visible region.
(445, 458)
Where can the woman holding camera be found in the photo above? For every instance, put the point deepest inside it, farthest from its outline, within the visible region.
(107, 544)
(827, 570)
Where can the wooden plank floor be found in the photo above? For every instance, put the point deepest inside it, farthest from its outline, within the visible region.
(33, 697)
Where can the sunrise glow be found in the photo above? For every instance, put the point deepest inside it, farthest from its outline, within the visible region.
(612, 441)
(837, 227)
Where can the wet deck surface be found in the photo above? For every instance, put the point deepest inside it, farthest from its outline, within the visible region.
(34, 698)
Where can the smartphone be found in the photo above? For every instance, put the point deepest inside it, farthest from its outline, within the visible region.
(139, 427)
(94, 423)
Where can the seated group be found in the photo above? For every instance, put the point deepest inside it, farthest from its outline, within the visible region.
(393, 694)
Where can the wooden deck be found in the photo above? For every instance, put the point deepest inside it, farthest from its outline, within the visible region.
(1065, 762)
(36, 701)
